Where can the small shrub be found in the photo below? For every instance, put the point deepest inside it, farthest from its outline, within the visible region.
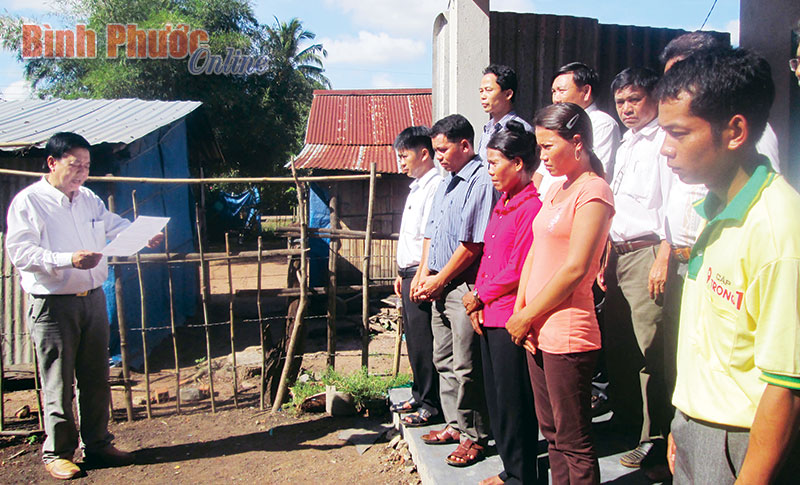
(302, 391)
(363, 386)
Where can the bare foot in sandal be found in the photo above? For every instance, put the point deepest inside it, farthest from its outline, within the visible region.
(419, 418)
(495, 480)
(467, 453)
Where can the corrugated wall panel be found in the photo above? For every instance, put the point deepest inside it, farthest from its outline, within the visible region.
(537, 45)
(17, 347)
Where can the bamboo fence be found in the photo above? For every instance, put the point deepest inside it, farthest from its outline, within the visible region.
(202, 259)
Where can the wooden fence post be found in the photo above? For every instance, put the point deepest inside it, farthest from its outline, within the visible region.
(331, 290)
(298, 322)
(143, 306)
(365, 271)
(204, 297)
(172, 325)
(230, 313)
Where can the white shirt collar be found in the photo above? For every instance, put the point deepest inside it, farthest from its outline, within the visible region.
(648, 131)
(423, 181)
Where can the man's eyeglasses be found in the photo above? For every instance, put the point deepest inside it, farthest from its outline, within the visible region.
(794, 63)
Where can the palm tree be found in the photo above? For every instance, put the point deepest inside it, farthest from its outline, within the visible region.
(284, 41)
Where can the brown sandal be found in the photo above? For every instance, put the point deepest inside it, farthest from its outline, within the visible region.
(441, 437)
(467, 453)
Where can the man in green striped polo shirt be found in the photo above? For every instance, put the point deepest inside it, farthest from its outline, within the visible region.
(737, 395)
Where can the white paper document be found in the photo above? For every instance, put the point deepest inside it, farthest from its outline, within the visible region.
(135, 237)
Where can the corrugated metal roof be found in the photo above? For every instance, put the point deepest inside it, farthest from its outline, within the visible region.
(348, 157)
(98, 120)
(349, 129)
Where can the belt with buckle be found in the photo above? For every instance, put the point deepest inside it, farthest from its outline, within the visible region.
(682, 253)
(635, 244)
(81, 294)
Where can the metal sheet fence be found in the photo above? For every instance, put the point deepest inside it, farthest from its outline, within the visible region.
(537, 45)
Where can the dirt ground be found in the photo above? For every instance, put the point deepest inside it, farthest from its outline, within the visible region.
(235, 444)
(232, 445)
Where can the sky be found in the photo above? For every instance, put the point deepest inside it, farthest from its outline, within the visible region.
(387, 43)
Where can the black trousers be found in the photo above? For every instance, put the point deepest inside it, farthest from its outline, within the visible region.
(510, 403)
(419, 342)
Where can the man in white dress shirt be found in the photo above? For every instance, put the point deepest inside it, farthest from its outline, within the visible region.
(56, 228)
(415, 155)
(632, 334)
(578, 83)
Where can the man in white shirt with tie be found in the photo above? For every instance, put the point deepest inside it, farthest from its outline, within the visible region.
(56, 228)
(497, 92)
(641, 183)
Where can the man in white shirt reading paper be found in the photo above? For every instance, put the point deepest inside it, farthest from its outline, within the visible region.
(56, 230)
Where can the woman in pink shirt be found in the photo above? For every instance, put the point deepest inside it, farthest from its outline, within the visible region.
(554, 312)
(512, 161)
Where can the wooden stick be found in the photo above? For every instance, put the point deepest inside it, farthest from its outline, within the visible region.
(21, 144)
(337, 233)
(204, 297)
(172, 325)
(316, 290)
(143, 306)
(2, 398)
(123, 330)
(398, 346)
(230, 313)
(22, 433)
(365, 271)
(262, 329)
(37, 387)
(201, 180)
(331, 290)
(301, 308)
(153, 258)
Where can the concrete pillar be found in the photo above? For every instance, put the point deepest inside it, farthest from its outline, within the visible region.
(460, 53)
(766, 27)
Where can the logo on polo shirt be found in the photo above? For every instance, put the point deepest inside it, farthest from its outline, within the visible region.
(720, 285)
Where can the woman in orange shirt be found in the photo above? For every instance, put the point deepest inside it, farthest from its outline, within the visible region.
(554, 312)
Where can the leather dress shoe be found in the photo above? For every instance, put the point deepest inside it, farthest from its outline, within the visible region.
(62, 469)
(108, 456)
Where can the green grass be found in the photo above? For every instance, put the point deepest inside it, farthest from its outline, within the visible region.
(302, 391)
(362, 385)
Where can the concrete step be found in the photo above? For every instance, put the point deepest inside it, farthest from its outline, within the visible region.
(433, 470)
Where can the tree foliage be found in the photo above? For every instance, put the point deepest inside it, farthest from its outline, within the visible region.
(258, 120)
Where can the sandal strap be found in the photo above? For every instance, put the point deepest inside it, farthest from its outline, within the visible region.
(467, 449)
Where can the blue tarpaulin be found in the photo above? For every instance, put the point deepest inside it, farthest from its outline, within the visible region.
(318, 248)
(234, 212)
(161, 154)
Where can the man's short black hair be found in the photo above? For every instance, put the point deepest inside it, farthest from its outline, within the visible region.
(506, 77)
(455, 128)
(689, 44)
(581, 75)
(62, 142)
(723, 84)
(640, 77)
(414, 138)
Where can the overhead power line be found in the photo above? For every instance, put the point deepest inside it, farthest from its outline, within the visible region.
(709, 14)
